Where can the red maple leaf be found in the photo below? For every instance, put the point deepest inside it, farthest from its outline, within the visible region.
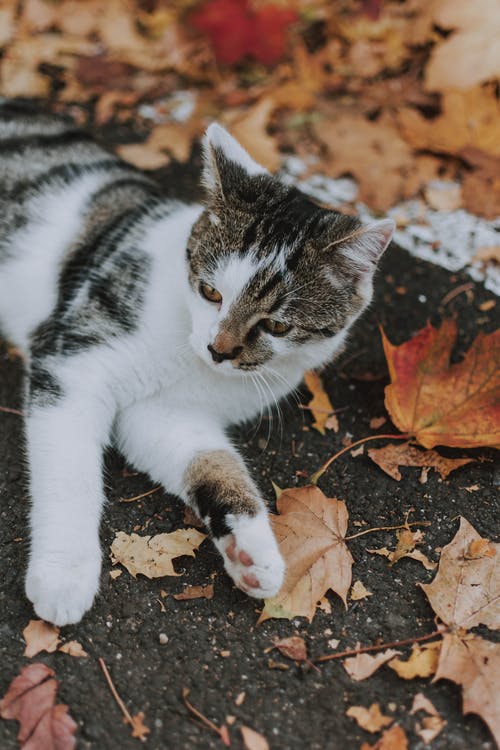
(237, 30)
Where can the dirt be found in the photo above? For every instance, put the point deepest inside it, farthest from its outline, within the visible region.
(213, 647)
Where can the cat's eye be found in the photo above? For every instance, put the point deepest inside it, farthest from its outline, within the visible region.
(276, 327)
(210, 293)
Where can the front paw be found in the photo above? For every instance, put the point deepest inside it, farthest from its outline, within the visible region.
(252, 556)
(63, 588)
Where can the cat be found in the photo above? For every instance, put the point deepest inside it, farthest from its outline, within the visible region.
(157, 324)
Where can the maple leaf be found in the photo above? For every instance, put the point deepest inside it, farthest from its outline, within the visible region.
(310, 530)
(422, 662)
(40, 636)
(30, 700)
(320, 404)
(362, 666)
(237, 30)
(390, 457)
(152, 555)
(370, 719)
(441, 404)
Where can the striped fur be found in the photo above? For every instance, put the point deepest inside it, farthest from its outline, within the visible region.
(101, 285)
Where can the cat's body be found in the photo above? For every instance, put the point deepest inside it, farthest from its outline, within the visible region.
(147, 321)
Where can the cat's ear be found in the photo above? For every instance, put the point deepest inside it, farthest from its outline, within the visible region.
(225, 163)
(364, 247)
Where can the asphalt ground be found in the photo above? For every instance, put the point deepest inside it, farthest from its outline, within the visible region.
(213, 647)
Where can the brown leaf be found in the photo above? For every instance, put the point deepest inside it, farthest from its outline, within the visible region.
(474, 663)
(405, 547)
(142, 155)
(443, 195)
(250, 130)
(293, 647)
(432, 724)
(152, 556)
(480, 548)
(370, 719)
(40, 636)
(390, 457)
(252, 740)
(139, 729)
(320, 404)
(30, 701)
(468, 119)
(361, 666)
(359, 591)
(196, 592)
(392, 739)
(466, 591)
(422, 662)
(310, 530)
(442, 404)
(73, 648)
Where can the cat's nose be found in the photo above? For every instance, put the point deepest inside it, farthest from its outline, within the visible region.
(221, 356)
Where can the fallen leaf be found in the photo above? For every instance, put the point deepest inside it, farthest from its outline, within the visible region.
(470, 55)
(73, 648)
(252, 740)
(293, 647)
(441, 404)
(143, 155)
(113, 574)
(480, 548)
(487, 253)
(377, 422)
(393, 455)
(370, 719)
(392, 739)
(359, 591)
(405, 547)
(196, 592)
(466, 591)
(361, 666)
(152, 556)
(30, 700)
(432, 724)
(139, 729)
(250, 129)
(474, 663)
(310, 530)
(422, 662)
(40, 636)
(320, 404)
(443, 195)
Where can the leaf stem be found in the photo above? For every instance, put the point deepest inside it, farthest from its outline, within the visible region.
(218, 730)
(7, 410)
(387, 528)
(114, 691)
(321, 471)
(380, 646)
(138, 497)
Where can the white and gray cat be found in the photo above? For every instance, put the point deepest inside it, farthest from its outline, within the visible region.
(157, 324)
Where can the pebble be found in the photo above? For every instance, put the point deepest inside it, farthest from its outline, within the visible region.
(163, 638)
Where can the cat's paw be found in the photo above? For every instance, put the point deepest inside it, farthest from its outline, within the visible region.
(62, 590)
(252, 557)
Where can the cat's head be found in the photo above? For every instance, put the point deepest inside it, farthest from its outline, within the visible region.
(272, 274)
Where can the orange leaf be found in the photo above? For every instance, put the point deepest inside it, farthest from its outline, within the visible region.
(441, 404)
(320, 405)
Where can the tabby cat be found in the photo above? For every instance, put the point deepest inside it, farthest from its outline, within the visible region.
(156, 324)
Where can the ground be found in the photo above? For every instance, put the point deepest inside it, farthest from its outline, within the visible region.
(299, 707)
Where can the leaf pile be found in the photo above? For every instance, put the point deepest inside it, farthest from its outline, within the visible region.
(399, 95)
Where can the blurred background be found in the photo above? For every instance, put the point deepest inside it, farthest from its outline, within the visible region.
(398, 99)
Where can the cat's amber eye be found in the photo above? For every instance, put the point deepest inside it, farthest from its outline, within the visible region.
(210, 293)
(276, 327)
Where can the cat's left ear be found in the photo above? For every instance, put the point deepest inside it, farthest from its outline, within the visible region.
(226, 164)
(363, 249)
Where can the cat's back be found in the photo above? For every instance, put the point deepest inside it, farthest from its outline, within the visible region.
(59, 190)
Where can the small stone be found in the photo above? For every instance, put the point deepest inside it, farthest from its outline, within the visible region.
(163, 639)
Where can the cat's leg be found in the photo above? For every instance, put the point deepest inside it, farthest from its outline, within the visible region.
(191, 456)
(65, 432)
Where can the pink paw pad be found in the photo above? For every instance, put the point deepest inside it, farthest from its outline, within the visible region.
(251, 581)
(231, 551)
(245, 558)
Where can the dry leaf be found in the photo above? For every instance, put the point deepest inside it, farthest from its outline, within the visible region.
(480, 548)
(466, 591)
(442, 404)
(370, 719)
(152, 556)
(392, 739)
(474, 663)
(405, 547)
(320, 405)
(377, 422)
(393, 455)
(143, 155)
(361, 666)
(73, 648)
(30, 700)
(251, 131)
(196, 592)
(443, 195)
(422, 662)
(293, 647)
(40, 636)
(432, 724)
(359, 591)
(310, 530)
(139, 729)
(252, 740)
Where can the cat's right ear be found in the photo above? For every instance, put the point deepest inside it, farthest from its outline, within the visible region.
(226, 164)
